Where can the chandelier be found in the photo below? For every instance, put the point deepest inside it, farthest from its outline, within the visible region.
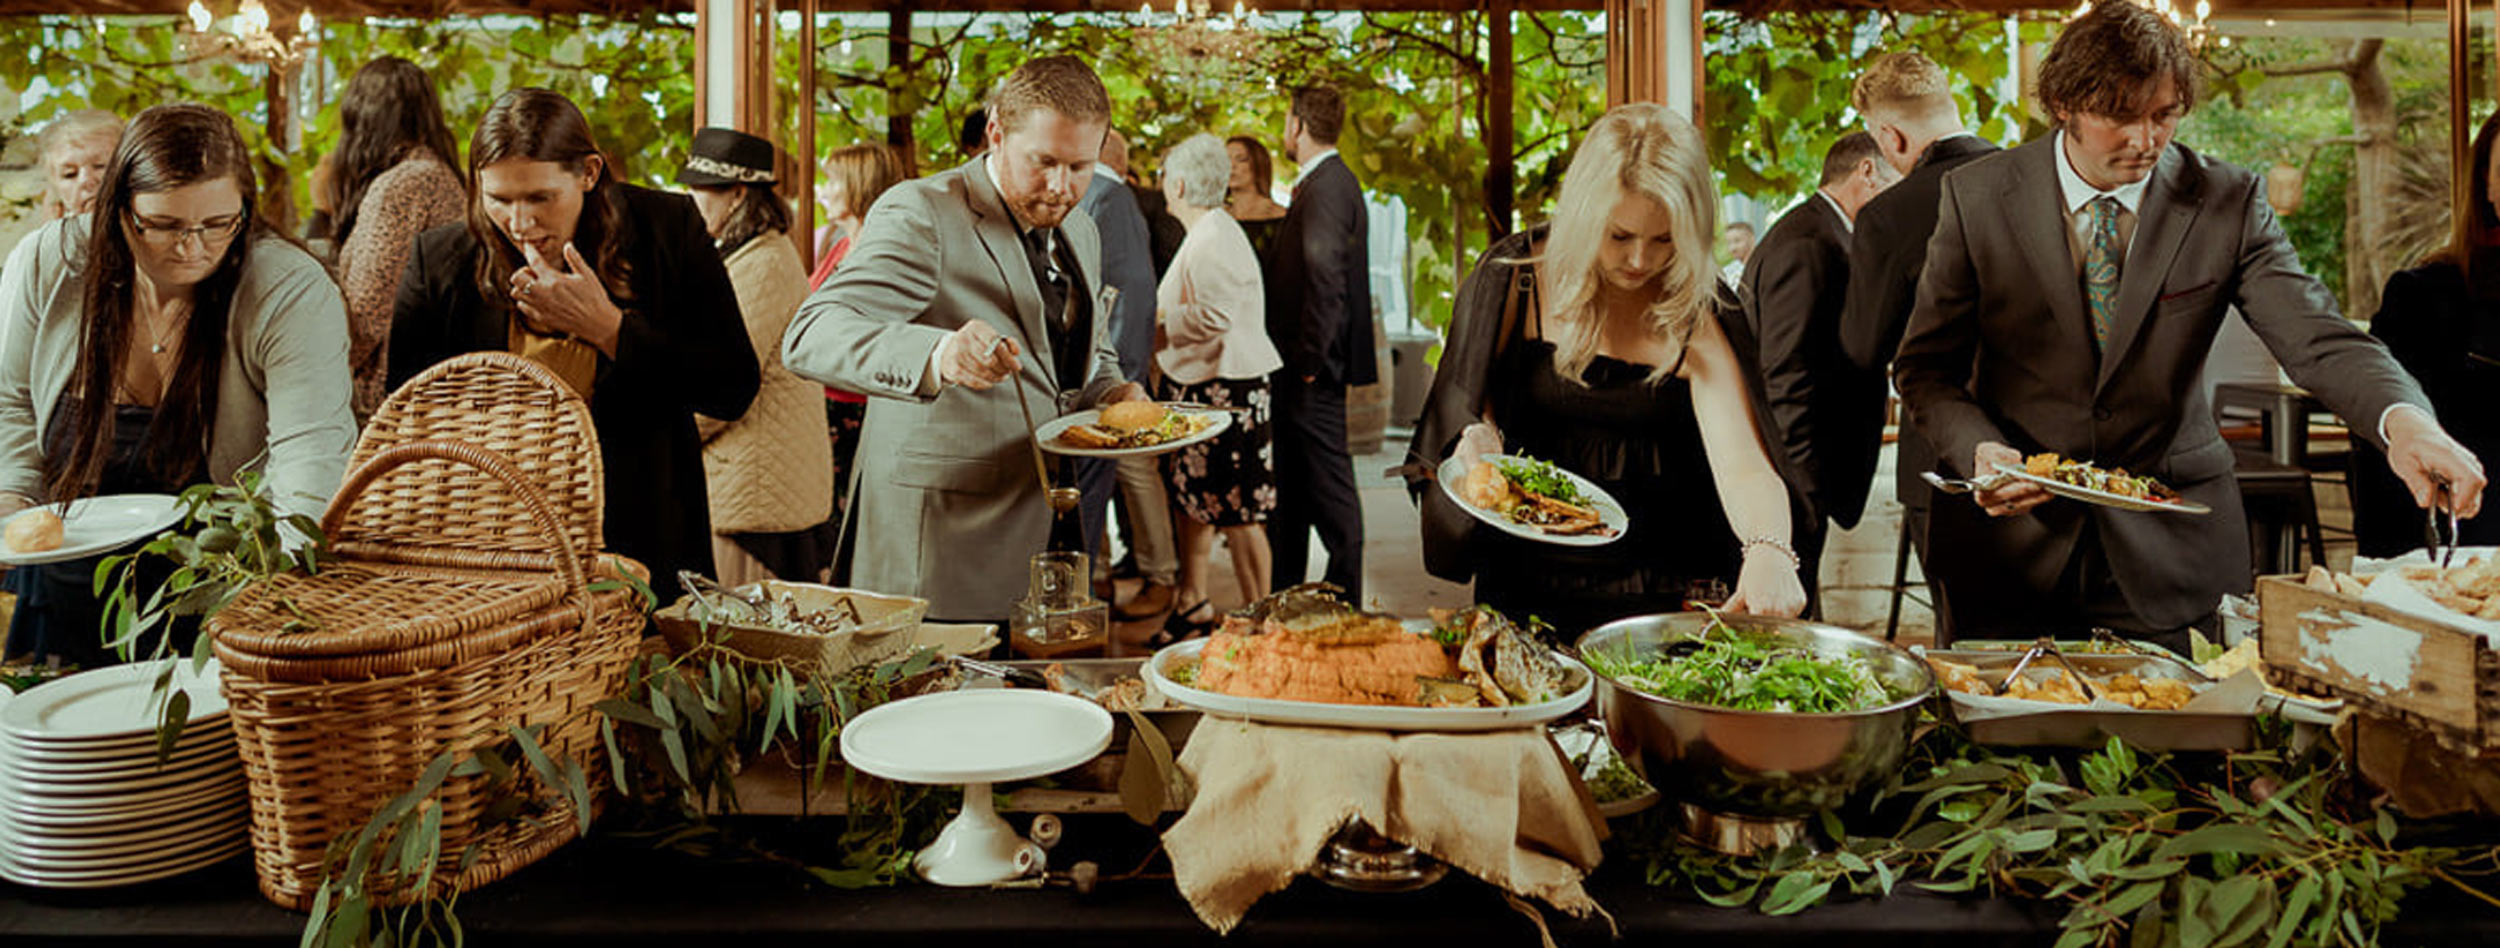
(1195, 35)
(246, 36)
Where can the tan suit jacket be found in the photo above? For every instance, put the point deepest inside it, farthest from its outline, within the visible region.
(948, 504)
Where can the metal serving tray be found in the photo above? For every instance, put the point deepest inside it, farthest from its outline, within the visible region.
(2086, 727)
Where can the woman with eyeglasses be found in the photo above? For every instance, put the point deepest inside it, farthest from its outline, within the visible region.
(614, 288)
(168, 338)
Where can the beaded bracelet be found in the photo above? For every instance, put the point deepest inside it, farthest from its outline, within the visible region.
(1776, 544)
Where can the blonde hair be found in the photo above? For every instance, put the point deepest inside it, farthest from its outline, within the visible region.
(1902, 84)
(1640, 149)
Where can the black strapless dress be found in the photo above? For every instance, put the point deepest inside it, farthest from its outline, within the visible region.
(1637, 440)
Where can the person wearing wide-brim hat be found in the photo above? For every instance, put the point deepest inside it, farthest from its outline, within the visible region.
(770, 473)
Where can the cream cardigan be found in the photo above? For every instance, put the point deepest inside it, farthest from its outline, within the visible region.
(282, 389)
(1213, 308)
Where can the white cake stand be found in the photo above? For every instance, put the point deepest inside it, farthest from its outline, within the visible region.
(976, 738)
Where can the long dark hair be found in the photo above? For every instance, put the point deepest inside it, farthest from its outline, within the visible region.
(1262, 167)
(760, 212)
(166, 147)
(390, 110)
(2479, 256)
(542, 125)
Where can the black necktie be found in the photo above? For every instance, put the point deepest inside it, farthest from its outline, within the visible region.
(1042, 250)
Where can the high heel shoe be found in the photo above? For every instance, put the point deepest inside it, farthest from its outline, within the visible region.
(1179, 625)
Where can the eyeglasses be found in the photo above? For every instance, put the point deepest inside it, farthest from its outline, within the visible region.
(164, 233)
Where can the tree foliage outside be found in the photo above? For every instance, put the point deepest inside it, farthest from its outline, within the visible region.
(1776, 95)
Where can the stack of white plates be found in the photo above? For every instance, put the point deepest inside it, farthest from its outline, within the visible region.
(83, 802)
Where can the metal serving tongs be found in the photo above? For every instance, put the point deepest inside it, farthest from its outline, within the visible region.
(2443, 552)
(1006, 673)
(2046, 646)
(1958, 486)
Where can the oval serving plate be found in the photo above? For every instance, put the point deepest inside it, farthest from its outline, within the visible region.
(1453, 472)
(98, 525)
(2101, 497)
(1368, 716)
(1048, 435)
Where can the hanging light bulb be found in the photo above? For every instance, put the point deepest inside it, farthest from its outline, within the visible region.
(2081, 9)
(1146, 11)
(254, 17)
(199, 17)
(304, 24)
(2204, 10)
(2226, 42)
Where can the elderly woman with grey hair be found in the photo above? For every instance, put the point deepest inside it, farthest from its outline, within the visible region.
(1213, 349)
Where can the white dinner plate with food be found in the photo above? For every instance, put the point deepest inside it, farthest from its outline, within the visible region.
(1610, 525)
(1368, 716)
(111, 702)
(1132, 431)
(86, 527)
(2101, 497)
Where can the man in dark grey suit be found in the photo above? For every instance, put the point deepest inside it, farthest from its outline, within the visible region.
(2072, 290)
(1319, 314)
(1795, 287)
(1907, 103)
(1128, 265)
(959, 284)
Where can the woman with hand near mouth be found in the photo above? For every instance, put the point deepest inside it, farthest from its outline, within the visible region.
(1594, 343)
(167, 338)
(616, 289)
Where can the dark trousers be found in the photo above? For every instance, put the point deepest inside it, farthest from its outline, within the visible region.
(1314, 485)
(1810, 535)
(2087, 597)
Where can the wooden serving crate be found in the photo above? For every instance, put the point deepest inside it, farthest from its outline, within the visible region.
(2424, 673)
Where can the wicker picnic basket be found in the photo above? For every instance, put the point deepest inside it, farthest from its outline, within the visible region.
(460, 606)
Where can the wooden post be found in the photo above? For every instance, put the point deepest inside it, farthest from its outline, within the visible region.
(2460, 124)
(1636, 52)
(897, 118)
(804, 163)
(1500, 187)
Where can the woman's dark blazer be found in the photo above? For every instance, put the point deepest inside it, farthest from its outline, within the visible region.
(682, 351)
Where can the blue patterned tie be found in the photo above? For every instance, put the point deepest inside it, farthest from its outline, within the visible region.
(2100, 265)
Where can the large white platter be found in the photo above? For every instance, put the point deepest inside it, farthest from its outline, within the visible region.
(980, 736)
(1453, 474)
(99, 525)
(1048, 434)
(2101, 497)
(108, 703)
(1367, 716)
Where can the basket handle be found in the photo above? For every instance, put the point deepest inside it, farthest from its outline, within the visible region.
(493, 465)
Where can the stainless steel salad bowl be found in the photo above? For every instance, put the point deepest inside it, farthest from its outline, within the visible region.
(1765, 764)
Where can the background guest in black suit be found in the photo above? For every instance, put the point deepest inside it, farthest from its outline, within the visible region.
(1128, 264)
(1795, 285)
(2072, 291)
(2442, 321)
(1319, 313)
(616, 289)
(1907, 102)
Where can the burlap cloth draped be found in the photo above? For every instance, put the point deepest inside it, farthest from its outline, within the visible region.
(1498, 805)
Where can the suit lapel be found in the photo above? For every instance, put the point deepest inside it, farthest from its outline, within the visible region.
(2162, 221)
(2038, 216)
(998, 236)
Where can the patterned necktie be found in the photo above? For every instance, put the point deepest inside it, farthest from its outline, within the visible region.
(2100, 265)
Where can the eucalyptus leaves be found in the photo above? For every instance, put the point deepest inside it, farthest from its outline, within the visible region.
(2266, 848)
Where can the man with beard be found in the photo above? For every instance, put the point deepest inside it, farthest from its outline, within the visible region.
(2071, 292)
(959, 284)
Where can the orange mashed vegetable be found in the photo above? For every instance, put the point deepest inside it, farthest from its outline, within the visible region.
(1361, 661)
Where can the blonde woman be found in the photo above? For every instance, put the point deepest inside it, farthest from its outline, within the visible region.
(1594, 342)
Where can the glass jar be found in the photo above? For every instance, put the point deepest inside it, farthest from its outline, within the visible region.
(1059, 615)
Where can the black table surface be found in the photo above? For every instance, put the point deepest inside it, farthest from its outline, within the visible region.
(609, 891)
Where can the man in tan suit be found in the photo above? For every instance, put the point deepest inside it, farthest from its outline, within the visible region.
(2072, 289)
(958, 283)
